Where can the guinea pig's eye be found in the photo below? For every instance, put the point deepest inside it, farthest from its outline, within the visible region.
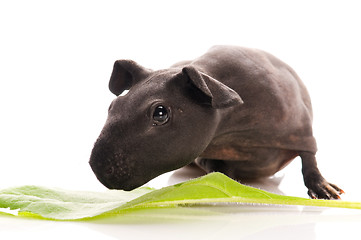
(160, 115)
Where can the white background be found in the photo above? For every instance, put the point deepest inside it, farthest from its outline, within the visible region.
(56, 58)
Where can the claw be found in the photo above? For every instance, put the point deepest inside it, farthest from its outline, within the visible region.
(325, 190)
(312, 194)
(339, 190)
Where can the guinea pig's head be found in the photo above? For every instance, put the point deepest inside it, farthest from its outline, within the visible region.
(164, 122)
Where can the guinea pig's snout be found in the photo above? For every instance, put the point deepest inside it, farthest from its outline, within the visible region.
(112, 169)
(102, 162)
(109, 171)
(102, 169)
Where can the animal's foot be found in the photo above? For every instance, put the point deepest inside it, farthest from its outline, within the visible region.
(317, 186)
(321, 189)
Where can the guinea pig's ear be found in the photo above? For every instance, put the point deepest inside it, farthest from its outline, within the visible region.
(219, 95)
(125, 74)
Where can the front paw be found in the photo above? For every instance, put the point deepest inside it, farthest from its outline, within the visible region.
(321, 189)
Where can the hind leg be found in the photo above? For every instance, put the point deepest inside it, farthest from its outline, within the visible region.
(317, 186)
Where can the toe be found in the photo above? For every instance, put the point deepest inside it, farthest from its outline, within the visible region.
(339, 190)
(325, 190)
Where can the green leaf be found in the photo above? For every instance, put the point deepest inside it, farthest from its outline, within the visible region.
(213, 188)
(61, 204)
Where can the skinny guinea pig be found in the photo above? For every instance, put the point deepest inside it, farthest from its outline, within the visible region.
(234, 110)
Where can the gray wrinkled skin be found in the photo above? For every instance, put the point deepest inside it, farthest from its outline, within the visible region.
(235, 110)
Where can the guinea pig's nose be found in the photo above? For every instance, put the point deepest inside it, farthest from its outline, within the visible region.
(109, 170)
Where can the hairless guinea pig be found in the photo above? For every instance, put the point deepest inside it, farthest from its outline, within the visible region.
(235, 110)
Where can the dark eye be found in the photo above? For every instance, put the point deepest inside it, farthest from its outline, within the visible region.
(160, 115)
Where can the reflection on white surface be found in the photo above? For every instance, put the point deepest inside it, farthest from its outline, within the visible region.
(208, 222)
